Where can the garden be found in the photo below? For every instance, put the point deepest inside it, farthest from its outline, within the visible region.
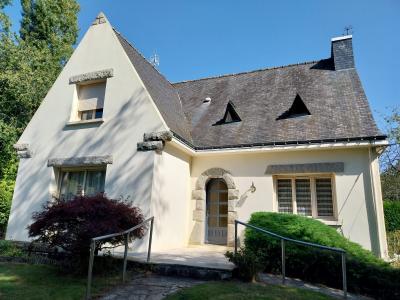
(366, 274)
(65, 228)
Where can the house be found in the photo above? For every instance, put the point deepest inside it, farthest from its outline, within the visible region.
(199, 154)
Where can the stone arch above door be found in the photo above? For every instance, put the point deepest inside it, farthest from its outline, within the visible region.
(199, 196)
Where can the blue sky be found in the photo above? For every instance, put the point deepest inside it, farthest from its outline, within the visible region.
(197, 39)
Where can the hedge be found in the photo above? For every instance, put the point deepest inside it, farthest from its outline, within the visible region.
(392, 215)
(393, 240)
(366, 273)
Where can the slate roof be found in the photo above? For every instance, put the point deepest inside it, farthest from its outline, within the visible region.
(161, 91)
(336, 100)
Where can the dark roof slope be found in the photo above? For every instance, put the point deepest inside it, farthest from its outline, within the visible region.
(336, 100)
(161, 91)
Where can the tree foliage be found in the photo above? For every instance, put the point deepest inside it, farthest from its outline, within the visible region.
(390, 159)
(29, 64)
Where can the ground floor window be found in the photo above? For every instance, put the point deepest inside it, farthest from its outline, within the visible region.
(80, 182)
(306, 195)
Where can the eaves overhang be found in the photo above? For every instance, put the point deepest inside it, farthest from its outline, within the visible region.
(338, 143)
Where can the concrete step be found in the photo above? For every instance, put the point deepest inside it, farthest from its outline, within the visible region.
(195, 272)
(178, 270)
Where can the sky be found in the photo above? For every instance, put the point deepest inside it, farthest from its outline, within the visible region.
(196, 39)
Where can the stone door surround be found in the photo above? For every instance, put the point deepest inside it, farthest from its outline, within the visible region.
(199, 195)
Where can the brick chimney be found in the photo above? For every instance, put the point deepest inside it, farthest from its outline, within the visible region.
(342, 52)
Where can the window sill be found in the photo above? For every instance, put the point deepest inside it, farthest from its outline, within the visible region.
(93, 121)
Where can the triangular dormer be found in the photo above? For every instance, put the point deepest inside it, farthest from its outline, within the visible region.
(230, 116)
(298, 109)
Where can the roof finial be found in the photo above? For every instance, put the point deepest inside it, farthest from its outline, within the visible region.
(100, 19)
(348, 30)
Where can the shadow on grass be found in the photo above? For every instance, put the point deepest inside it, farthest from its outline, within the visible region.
(24, 281)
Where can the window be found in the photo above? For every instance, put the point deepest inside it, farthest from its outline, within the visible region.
(305, 195)
(91, 100)
(91, 114)
(81, 182)
(230, 115)
(298, 109)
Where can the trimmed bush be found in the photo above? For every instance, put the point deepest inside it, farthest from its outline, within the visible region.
(366, 274)
(392, 215)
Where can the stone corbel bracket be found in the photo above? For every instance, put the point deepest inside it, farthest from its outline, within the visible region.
(23, 150)
(154, 141)
(91, 76)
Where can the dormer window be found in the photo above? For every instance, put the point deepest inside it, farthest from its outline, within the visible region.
(230, 116)
(298, 109)
(91, 100)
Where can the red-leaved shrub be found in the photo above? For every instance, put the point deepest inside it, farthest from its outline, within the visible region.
(70, 225)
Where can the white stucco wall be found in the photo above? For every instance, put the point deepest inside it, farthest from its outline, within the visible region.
(170, 193)
(128, 114)
(355, 203)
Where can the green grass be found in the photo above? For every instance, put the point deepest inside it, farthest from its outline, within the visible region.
(245, 291)
(23, 281)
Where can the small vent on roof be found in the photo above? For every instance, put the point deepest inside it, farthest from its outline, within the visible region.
(298, 109)
(230, 115)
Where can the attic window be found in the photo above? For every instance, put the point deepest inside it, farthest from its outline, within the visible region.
(298, 109)
(230, 116)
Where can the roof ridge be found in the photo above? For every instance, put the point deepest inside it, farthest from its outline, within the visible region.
(130, 44)
(249, 72)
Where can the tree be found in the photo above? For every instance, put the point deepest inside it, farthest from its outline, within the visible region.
(29, 64)
(71, 225)
(390, 159)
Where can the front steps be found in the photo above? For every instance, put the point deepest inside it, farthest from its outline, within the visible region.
(204, 273)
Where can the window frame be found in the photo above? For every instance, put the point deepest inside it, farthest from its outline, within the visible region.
(76, 114)
(313, 189)
(93, 111)
(85, 169)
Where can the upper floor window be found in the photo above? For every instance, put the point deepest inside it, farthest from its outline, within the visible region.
(91, 100)
(81, 182)
(306, 195)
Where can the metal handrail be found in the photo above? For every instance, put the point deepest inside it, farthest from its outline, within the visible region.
(286, 239)
(108, 236)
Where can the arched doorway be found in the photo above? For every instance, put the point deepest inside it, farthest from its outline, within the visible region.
(216, 211)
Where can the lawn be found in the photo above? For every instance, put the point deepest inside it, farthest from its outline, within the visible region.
(23, 281)
(245, 291)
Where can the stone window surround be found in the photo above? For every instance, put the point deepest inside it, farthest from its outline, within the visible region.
(80, 161)
(91, 76)
(199, 196)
